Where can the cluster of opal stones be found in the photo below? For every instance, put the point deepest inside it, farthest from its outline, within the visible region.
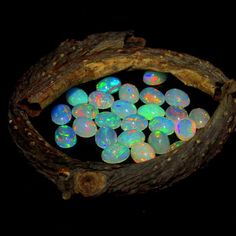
(99, 115)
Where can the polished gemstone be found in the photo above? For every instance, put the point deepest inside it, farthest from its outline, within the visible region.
(200, 116)
(105, 137)
(150, 111)
(134, 121)
(152, 95)
(130, 137)
(141, 152)
(75, 96)
(115, 153)
(108, 119)
(101, 100)
(177, 97)
(154, 77)
(129, 92)
(86, 110)
(176, 113)
(159, 141)
(109, 84)
(61, 114)
(176, 144)
(123, 108)
(162, 124)
(84, 127)
(185, 129)
(65, 136)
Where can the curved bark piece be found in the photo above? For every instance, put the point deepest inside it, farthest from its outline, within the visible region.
(99, 55)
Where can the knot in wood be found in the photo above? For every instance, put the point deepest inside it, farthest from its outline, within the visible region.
(89, 183)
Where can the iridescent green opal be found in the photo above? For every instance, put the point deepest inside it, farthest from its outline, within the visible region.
(162, 124)
(130, 137)
(75, 96)
(150, 111)
(159, 141)
(115, 153)
(134, 121)
(109, 84)
(108, 119)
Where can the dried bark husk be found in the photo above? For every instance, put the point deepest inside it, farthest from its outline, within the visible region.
(75, 62)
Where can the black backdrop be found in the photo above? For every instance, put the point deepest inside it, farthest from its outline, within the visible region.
(205, 200)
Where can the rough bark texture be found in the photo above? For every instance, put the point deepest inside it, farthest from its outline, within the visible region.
(75, 62)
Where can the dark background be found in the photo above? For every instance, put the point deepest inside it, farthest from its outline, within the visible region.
(205, 200)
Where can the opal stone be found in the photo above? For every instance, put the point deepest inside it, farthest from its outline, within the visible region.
(154, 77)
(200, 116)
(141, 152)
(75, 96)
(101, 100)
(129, 92)
(176, 144)
(65, 136)
(150, 111)
(105, 137)
(177, 97)
(123, 108)
(176, 113)
(115, 153)
(108, 119)
(162, 124)
(130, 137)
(152, 95)
(84, 127)
(134, 121)
(109, 84)
(61, 114)
(159, 141)
(185, 129)
(86, 110)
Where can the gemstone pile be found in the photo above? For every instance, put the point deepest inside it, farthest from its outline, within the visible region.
(117, 125)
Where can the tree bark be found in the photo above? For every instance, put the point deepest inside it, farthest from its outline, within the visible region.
(75, 62)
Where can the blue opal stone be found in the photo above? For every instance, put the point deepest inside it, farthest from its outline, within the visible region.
(75, 96)
(123, 108)
(162, 124)
(185, 129)
(150, 111)
(109, 84)
(65, 137)
(176, 113)
(200, 116)
(159, 141)
(177, 97)
(61, 114)
(86, 110)
(108, 119)
(129, 92)
(101, 100)
(105, 137)
(152, 95)
(115, 153)
(130, 137)
(154, 77)
(134, 121)
(84, 127)
(141, 152)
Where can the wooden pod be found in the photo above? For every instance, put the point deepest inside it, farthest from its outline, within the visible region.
(75, 62)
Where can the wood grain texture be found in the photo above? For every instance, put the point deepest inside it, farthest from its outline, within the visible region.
(75, 62)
